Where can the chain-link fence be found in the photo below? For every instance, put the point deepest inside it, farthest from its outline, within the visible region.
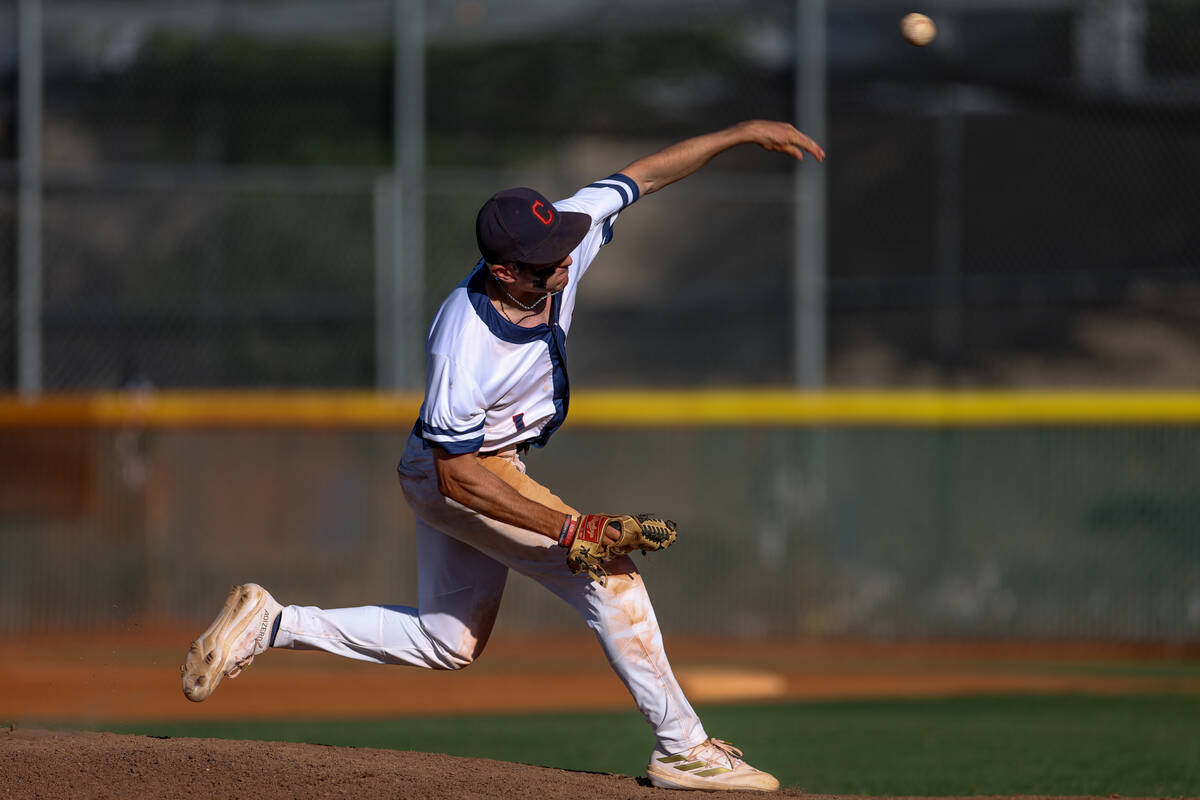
(279, 193)
(1011, 205)
(1076, 532)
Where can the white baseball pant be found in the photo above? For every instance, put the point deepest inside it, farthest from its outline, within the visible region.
(463, 560)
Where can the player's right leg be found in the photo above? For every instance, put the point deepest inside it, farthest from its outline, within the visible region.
(460, 590)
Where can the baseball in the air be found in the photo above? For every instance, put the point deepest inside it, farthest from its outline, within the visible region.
(918, 29)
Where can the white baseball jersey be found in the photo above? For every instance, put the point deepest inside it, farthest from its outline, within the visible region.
(489, 383)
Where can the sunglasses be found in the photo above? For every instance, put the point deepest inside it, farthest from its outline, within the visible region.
(539, 271)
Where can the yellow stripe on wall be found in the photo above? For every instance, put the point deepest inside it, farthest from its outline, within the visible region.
(213, 409)
(615, 409)
(899, 407)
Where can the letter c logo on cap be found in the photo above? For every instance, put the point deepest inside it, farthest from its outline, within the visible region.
(546, 220)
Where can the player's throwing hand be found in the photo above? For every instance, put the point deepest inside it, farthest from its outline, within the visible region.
(782, 137)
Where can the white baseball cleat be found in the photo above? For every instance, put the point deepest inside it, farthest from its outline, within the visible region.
(711, 765)
(240, 632)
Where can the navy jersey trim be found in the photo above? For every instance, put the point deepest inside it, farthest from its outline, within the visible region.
(458, 448)
(623, 185)
(453, 448)
(436, 431)
(634, 192)
(495, 321)
(557, 345)
(553, 336)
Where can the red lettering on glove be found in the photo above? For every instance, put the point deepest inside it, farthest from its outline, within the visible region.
(592, 528)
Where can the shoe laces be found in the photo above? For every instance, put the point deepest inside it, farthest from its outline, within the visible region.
(731, 754)
(237, 668)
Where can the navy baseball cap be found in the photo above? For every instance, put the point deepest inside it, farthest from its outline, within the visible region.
(521, 225)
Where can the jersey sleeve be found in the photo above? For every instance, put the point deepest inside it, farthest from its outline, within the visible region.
(602, 201)
(452, 416)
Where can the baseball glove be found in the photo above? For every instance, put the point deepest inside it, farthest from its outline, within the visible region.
(587, 550)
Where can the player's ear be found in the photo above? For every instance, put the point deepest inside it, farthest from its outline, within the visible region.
(505, 273)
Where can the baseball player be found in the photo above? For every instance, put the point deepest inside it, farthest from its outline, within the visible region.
(496, 383)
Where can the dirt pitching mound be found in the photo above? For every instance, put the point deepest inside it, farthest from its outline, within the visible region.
(55, 765)
(66, 764)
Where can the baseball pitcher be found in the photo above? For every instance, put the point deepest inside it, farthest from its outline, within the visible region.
(496, 384)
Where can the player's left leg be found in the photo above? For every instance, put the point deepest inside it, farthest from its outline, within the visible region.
(620, 615)
(623, 620)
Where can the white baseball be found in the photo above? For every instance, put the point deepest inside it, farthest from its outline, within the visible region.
(918, 29)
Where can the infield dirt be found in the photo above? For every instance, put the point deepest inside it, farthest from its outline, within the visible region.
(56, 765)
(133, 675)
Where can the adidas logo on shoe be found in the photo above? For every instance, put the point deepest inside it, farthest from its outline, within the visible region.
(710, 765)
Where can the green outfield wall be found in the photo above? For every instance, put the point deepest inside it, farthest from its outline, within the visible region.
(879, 514)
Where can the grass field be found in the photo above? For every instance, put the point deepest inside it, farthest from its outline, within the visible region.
(1068, 744)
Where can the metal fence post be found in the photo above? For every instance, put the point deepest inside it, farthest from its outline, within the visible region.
(407, 285)
(29, 202)
(808, 305)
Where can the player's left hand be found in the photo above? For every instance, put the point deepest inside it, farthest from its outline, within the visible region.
(596, 538)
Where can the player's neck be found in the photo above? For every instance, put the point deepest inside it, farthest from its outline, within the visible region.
(524, 309)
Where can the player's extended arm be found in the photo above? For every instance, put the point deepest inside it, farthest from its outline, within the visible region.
(462, 478)
(663, 168)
